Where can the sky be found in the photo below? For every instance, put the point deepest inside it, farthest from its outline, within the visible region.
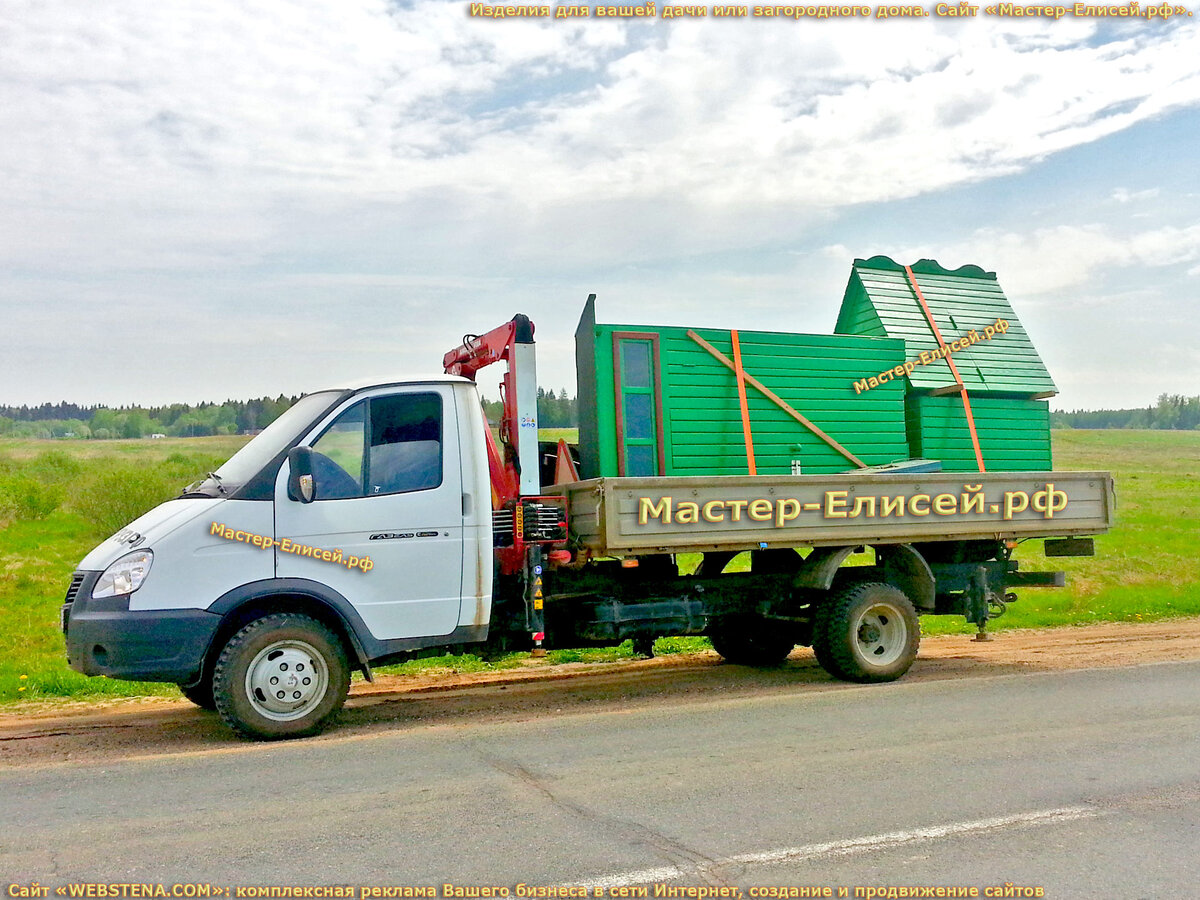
(226, 200)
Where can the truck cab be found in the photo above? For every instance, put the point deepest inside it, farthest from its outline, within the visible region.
(261, 586)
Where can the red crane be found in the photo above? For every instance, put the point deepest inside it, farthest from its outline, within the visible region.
(514, 471)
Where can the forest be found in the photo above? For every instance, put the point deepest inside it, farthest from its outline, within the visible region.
(71, 421)
(1172, 412)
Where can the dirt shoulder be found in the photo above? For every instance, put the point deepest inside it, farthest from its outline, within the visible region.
(90, 732)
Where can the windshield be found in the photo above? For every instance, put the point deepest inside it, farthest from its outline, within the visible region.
(274, 439)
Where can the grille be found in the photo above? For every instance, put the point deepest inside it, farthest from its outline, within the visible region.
(73, 590)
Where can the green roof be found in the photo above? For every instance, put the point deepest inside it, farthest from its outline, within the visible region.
(880, 301)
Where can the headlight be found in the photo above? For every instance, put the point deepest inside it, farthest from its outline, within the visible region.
(125, 575)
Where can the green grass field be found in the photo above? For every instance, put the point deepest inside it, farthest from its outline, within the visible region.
(60, 498)
(1146, 568)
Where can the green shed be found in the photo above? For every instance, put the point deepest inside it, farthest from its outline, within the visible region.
(975, 384)
(664, 400)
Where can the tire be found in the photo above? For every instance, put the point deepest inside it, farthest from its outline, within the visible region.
(201, 694)
(644, 646)
(751, 640)
(867, 633)
(284, 653)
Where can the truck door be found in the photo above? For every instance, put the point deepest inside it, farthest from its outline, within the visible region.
(389, 490)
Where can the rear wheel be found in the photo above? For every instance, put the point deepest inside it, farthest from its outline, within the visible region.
(284, 675)
(751, 640)
(643, 646)
(867, 633)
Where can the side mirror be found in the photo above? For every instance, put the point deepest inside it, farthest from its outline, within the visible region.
(300, 478)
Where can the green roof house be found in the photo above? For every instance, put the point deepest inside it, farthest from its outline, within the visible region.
(926, 364)
(975, 385)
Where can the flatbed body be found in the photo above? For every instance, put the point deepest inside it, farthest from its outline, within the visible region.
(626, 517)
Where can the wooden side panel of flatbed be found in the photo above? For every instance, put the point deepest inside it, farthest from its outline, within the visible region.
(632, 516)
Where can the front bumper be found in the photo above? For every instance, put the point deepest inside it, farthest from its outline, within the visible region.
(105, 637)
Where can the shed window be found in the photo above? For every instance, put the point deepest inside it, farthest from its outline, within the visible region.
(635, 364)
(638, 405)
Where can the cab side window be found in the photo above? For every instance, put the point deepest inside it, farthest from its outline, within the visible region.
(338, 456)
(405, 451)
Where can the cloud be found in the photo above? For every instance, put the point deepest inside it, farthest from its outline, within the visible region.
(1049, 260)
(213, 129)
(299, 168)
(1124, 195)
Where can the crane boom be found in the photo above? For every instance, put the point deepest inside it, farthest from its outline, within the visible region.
(515, 471)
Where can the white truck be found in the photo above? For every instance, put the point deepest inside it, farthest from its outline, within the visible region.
(377, 520)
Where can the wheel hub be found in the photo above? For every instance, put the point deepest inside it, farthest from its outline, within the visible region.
(882, 634)
(286, 680)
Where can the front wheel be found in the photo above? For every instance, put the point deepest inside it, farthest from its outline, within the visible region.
(281, 676)
(200, 693)
(867, 633)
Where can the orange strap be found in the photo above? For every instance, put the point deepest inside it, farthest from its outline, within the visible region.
(774, 398)
(741, 384)
(962, 388)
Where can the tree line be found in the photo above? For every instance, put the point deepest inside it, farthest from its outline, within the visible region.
(555, 410)
(559, 410)
(1173, 412)
(68, 420)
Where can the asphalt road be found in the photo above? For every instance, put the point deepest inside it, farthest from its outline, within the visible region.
(1083, 783)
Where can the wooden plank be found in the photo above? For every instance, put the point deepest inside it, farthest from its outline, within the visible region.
(784, 406)
(1015, 434)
